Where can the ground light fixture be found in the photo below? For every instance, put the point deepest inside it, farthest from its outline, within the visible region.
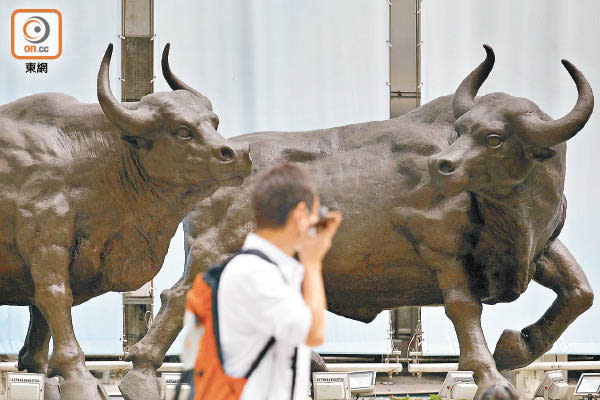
(362, 382)
(24, 386)
(331, 386)
(588, 386)
(169, 382)
(554, 386)
(458, 385)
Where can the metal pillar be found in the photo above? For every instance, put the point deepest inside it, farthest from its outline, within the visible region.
(405, 56)
(137, 80)
(405, 95)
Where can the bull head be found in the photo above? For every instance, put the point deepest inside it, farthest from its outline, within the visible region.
(173, 134)
(502, 138)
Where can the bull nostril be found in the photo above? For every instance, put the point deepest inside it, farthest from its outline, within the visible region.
(226, 153)
(445, 167)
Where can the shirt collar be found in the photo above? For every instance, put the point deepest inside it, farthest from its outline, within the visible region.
(290, 264)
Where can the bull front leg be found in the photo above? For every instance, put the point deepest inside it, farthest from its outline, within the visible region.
(557, 270)
(33, 356)
(464, 308)
(44, 234)
(53, 297)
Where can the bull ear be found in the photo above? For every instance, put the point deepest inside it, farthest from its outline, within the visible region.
(541, 154)
(137, 142)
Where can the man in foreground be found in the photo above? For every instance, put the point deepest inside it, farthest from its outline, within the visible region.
(270, 299)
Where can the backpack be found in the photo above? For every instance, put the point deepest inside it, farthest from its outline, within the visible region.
(210, 380)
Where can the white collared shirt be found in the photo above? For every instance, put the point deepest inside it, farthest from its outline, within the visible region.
(258, 300)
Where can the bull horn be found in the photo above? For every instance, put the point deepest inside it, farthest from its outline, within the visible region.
(130, 121)
(174, 82)
(549, 133)
(464, 98)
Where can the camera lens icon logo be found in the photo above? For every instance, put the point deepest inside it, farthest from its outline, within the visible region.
(36, 29)
(36, 34)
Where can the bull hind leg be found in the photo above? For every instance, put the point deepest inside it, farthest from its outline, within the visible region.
(33, 356)
(464, 308)
(147, 355)
(557, 270)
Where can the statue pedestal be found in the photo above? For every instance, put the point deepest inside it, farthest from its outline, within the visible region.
(51, 389)
(82, 389)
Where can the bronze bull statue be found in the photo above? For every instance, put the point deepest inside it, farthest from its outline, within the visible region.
(457, 203)
(90, 197)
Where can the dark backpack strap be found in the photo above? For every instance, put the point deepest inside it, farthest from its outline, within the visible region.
(262, 255)
(260, 357)
(213, 277)
(271, 341)
(257, 253)
(294, 368)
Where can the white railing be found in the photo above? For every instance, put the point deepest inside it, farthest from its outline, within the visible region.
(542, 365)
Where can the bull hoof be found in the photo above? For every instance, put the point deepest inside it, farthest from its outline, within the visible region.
(32, 366)
(78, 389)
(140, 384)
(499, 391)
(30, 363)
(512, 351)
(51, 389)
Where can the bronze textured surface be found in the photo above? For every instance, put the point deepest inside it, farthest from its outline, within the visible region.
(456, 203)
(90, 196)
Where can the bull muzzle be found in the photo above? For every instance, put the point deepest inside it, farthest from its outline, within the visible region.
(234, 161)
(441, 166)
(447, 175)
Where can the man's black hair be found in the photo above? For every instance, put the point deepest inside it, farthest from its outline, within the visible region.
(278, 191)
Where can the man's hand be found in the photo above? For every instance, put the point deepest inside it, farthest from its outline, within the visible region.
(311, 252)
(313, 248)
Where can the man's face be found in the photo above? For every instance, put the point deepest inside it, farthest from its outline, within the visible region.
(305, 218)
(314, 213)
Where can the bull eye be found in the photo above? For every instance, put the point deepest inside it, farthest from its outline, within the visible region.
(184, 133)
(494, 141)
